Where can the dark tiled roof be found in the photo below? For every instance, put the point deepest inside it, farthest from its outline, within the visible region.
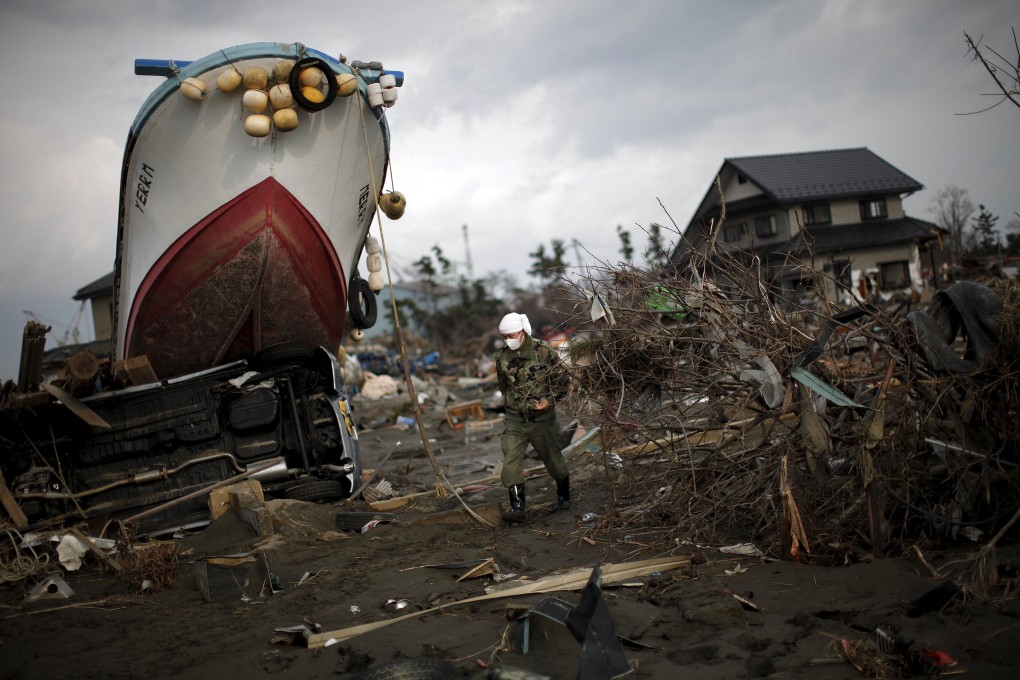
(103, 284)
(816, 175)
(827, 239)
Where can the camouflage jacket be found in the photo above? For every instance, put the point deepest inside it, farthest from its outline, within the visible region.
(532, 373)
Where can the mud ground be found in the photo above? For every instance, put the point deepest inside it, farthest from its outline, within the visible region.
(680, 623)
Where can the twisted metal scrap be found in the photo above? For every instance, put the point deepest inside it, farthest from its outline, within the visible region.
(917, 455)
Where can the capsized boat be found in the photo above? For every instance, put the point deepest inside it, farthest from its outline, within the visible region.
(250, 180)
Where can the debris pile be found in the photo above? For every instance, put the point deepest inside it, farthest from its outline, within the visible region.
(738, 406)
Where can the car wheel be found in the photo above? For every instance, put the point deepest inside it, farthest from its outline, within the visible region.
(283, 353)
(316, 491)
(355, 521)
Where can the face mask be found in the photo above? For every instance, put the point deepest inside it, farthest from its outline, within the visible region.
(513, 343)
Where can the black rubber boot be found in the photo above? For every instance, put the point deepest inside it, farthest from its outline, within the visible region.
(563, 493)
(516, 511)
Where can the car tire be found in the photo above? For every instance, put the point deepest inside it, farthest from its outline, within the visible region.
(316, 491)
(424, 668)
(282, 354)
(355, 521)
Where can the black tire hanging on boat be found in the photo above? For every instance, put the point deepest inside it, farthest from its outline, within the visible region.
(361, 303)
(295, 84)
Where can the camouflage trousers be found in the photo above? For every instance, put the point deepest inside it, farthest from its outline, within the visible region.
(542, 432)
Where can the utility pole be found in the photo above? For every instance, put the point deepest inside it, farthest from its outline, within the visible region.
(467, 255)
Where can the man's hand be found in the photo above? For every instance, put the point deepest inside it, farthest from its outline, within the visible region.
(542, 404)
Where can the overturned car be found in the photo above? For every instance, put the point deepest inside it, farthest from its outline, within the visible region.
(144, 455)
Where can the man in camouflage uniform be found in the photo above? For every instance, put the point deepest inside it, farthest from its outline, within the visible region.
(531, 378)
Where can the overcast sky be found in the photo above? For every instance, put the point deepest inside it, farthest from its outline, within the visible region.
(525, 120)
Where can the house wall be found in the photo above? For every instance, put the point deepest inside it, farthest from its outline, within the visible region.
(865, 263)
(102, 316)
(734, 190)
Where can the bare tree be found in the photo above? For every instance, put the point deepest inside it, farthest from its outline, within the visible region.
(953, 208)
(1004, 72)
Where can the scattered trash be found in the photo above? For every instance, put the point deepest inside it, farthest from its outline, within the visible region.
(294, 635)
(362, 521)
(742, 549)
(588, 516)
(735, 570)
(53, 587)
(70, 552)
(227, 576)
(395, 605)
(355, 609)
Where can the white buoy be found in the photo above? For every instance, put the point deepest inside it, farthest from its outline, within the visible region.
(257, 125)
(372, 245)
(281, 97)
(193, 88)
(374, 262)
(376, 281)
(357, 334)
(255, 101)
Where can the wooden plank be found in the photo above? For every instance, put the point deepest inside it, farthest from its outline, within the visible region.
(114, 564)
(11, 505)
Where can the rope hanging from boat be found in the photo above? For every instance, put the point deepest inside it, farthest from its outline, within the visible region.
(441, 480)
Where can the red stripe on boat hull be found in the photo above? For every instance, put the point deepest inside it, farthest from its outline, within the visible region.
(258, 271)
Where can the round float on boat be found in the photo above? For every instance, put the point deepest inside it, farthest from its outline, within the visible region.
(228, 80)
(255, 78)
(281, 70)
(193, 88)
(393, 205)
(255, 101)
(361, 303)
(347, 84)
(285, 120)
(257, 125)
(376, 281)
(280, 96)
(357, 335)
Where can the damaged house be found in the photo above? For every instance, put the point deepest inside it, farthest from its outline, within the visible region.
(839, 211)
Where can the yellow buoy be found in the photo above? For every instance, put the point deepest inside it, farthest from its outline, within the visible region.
(313, 94)
(257, 125)
(228, 80)
(347, 84)
(255, 101)
(255, 78)
(285, 120)
(311, 77)
(280, 96)
(393, 205)
(281, 70)
(192, 88)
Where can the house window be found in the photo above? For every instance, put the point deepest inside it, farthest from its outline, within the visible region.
(733, 232)
(894, 275)
(841, 272)
(765, 225)
(873, 209)
(817, 213)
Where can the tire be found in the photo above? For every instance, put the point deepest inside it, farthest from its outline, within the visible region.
(424, 668)
(282, 354)
(295, 84)
(359, 294)
(316, 491)
(354, 521)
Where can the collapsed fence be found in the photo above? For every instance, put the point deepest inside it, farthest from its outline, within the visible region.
(822, 430)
